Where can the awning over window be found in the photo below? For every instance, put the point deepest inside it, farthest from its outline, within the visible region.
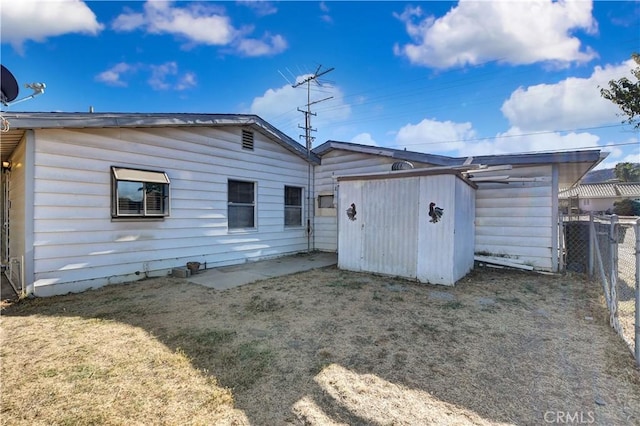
(140, 175)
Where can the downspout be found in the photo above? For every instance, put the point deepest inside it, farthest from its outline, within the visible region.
(29, 208)
(555, 227)
(309, 200)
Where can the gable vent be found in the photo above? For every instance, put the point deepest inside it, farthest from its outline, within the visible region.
(401, 165)
(247, 140)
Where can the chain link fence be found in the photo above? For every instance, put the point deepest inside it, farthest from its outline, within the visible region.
(608, 249)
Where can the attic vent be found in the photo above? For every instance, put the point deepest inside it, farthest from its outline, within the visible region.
(401, 165)
(247, 140)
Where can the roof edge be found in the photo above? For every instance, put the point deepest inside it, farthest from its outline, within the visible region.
(574, 156)
(60, 120)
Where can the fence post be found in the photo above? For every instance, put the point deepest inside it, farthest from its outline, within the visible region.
(637, 321)
(562, 245)
(591, 252)
(613, 287)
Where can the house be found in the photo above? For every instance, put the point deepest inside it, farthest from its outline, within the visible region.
(98, 198)
(93, 199)
(598, 197)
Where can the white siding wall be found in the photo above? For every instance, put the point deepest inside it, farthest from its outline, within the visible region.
(516, 220)
(342, 163)
(77, 245)
(18, 206)
(597, 204)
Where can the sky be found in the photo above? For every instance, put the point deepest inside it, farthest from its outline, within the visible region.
(450, 78)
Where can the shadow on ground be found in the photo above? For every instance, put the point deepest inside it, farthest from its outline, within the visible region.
(330, 346)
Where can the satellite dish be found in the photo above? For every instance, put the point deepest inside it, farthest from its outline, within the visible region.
(9, 86)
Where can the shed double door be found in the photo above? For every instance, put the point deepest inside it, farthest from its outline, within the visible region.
(389, 228)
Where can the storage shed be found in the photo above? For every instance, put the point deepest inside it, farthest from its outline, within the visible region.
(388, 223)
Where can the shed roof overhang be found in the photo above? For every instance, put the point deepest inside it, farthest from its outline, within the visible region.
(572, 165)
(19, 122)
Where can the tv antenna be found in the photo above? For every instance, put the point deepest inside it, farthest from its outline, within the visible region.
(307, 113)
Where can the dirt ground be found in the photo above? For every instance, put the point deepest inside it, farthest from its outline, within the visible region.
(322, 347)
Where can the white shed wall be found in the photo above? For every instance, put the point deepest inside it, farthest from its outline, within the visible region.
(516, 220)
(445, 247)
(77, 245)
(393, 235)
(342, 163)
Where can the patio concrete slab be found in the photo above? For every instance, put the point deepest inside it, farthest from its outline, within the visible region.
(227, 277)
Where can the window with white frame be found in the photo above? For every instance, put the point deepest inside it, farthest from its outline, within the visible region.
(241, 204)
(292, 206)
(139, 193)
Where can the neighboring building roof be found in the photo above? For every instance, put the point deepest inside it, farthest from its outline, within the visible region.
(603, 190)
(574, 164)
(21, 121)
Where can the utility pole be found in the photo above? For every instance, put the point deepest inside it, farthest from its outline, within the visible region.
(308, 141)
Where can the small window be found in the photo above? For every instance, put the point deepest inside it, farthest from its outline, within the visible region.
(292, 206)
(325, 201)
(247, 140)
(139, 193)
(241, 204)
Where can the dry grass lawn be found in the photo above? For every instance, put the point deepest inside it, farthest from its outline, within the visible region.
(320, 348)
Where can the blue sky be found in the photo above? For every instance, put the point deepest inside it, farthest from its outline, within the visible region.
(451, 78)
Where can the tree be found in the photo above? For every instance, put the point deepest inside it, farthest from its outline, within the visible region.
(627, 172)
(626, 94)
(627, 207)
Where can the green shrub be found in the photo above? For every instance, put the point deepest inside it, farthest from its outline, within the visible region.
(627, 207)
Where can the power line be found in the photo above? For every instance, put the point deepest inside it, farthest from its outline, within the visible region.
(543, 132)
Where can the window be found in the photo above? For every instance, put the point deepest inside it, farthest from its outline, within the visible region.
(241, 204)
(292, 206)
(139, 193)
(325, 201)
(247, 140)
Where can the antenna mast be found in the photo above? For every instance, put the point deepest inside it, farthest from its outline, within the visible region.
(307, 113)
(308, 139)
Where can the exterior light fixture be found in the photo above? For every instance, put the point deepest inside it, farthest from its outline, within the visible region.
(6, 166)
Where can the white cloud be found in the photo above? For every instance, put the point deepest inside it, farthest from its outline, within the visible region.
(432, 135)
(201, 23)
(161, 77)
(515, 32)
(514, 140)
(160, 73)
(570, 104)
(37, 20)
(618, 155)
(187, 81)
(198, 23)
(326, 17)
(113, 75)
(364, 139)
(128, 21)
(269, 45)
(260, 7)
(280, 107)
(460, 140)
